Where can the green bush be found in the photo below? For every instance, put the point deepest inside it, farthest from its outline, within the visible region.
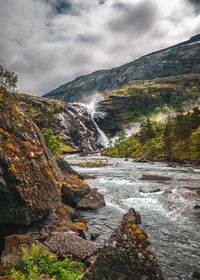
(53, 142)
(36, 262)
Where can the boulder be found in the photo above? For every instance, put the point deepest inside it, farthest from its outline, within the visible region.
(30, 180)
(93, 200)
(128, 254)
(73, 190)
(71, 245)
(11, 256)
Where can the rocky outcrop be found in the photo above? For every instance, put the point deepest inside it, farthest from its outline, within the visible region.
(72, 121)
(128, 254)
(71, 245)
(30, 180)
(93, 200)
(14, 244)
(131, 102)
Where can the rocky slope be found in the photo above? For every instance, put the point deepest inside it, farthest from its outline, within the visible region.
(26, 195)
(32, 183)
(148, 98)
(182, 58)
(72, 121)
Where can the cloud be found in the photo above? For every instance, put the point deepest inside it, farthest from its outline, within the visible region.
(130, 17)
(196, 4)
(49, 42)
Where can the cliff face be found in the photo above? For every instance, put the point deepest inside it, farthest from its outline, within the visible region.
(130, 102)
(179, 59)
(30, 181)
(72, 121)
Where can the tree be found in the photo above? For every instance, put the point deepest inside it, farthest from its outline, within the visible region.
(8, 80)
(195, 145)
(167, 139)
(147, 131)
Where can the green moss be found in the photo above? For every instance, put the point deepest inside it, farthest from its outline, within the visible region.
(36, 263)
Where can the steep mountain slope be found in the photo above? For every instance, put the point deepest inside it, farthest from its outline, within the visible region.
(182, 58)
(71, 121)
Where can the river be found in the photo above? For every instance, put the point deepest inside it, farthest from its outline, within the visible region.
(167, 208)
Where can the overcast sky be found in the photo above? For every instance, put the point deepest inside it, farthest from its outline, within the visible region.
(50, 42)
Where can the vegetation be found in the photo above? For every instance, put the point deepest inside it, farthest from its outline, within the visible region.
(8, 80)
(54, 142)
(176, 139)
(37, 264)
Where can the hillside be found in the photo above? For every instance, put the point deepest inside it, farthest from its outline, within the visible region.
(154, 98)
(182, 58)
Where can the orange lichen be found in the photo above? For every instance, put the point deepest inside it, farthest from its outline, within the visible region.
(137, 232)
(80, 226)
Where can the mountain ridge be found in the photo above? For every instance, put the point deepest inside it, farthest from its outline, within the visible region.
(181, 58)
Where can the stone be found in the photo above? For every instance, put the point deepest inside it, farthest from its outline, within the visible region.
(71, 245)
(93, 200)
(30, 180)
(130, 258)
(11, 256)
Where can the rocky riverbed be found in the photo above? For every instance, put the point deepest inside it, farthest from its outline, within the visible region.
(166, 196)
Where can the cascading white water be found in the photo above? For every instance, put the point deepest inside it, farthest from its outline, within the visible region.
(102, 139)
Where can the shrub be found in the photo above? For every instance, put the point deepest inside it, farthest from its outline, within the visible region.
(37, 262)
(53, 142)
(8, 80)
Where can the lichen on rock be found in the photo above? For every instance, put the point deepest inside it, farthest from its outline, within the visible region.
(30, 180)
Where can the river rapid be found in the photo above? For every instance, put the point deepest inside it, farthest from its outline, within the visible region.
(168, 208)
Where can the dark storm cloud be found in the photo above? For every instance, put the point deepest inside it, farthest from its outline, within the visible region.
(196, 4)
(133, 17)
(49, 42)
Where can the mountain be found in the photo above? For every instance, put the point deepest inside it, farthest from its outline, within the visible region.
(182, 58)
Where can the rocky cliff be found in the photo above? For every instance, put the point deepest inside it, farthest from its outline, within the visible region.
(182, 58)
(141, 98)
(30, 181)
(72, 121)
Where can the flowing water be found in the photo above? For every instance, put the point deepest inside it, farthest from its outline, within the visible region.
(167, 208)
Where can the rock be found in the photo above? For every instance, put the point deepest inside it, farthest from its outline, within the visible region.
(73, 190)
(30, 180)
(67, 169)
(196, 274)
(72, 121)
(128, 254)
(71, 245)
(197, 207)
(93, 200)
(149, 177)
(11, 256)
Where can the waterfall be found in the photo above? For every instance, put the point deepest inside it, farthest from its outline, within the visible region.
(102, 139)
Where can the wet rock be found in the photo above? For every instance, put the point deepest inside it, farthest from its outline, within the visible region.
(197, 207)
(149, 177)
(93, 200)
(150, 190)
(71, 245)
(127, 255)
(30, 179)
(72, 121)
(196, 274)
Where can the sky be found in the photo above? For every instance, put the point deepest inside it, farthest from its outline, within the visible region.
(50, 42)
